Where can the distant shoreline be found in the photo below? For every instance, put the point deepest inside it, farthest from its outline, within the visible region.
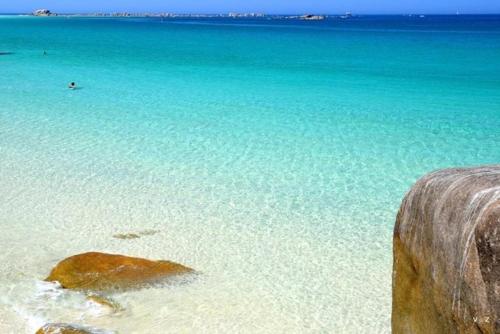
(242, 15)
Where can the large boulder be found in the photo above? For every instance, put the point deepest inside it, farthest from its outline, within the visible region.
(100, 272)
(446, 273)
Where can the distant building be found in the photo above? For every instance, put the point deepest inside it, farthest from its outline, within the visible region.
(42, 12)
(238, 15)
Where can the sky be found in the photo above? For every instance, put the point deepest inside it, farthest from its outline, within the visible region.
(265, 6)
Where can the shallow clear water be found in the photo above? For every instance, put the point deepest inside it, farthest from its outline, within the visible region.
(269, 155)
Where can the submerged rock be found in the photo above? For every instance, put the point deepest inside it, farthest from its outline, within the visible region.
(104, 302)
(149, 232)
(446, 273)
(99, 271)
(126, 236)
(62, 329)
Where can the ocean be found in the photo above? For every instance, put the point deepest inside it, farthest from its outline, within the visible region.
(269, 155)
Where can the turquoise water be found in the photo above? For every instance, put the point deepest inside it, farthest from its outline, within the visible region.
(269, 155)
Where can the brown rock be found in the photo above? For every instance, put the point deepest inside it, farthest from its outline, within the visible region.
(105, 302)
(61, 329)
(446, 273)
(100, 271)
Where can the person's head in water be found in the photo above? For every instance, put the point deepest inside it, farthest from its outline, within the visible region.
(72, 85)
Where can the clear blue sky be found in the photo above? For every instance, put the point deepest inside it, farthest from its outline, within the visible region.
(266, 6)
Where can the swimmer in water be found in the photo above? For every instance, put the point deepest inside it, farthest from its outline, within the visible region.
(72, 85)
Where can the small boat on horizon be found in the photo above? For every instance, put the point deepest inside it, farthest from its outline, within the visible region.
(347, 15)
